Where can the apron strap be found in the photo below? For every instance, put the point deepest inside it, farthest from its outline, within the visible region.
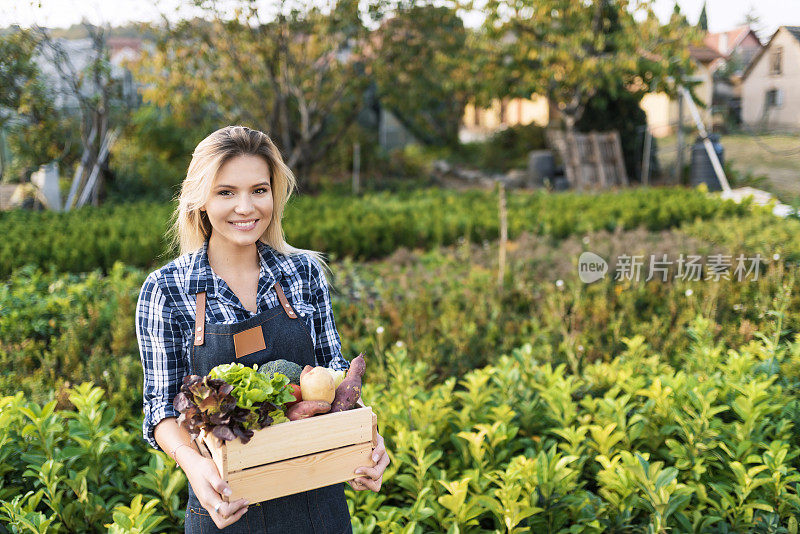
(284, 303)
(200, 318)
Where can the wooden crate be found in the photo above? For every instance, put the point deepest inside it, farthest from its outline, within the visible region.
(295, 456)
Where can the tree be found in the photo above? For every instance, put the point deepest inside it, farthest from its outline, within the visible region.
(299, 76)
(99, 106)
(422, 70)
(564, 50)
(702, 22)
(37, 132)
(17, 70)
(753, 21)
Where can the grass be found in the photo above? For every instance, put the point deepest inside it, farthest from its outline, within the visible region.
(776, 158)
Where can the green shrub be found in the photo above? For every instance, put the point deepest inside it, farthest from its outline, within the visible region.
(57, 330)
(75, 470)
(504, 150)
(366, 227)
(149, 161)
(85, 239)
(445, 304)
(631, 444)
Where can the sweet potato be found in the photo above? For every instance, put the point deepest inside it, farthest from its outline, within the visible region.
(304, 409)
(349, 391)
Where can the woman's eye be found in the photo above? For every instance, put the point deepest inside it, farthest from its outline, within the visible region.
(224, 193)
(262, 190)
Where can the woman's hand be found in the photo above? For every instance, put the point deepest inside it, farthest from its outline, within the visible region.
(373, 476)
(209, 487)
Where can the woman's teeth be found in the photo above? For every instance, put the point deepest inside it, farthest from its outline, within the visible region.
(248, 224)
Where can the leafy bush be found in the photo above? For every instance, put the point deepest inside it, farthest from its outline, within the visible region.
(151, 158)
(633, 444)
(57, 330)
(365, 227)
(444, 304)
(74, 470)
(504, 150)
(704, 444)
(84, 239)
(534, 406)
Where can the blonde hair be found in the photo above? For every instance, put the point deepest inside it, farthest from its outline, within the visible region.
(191, 227)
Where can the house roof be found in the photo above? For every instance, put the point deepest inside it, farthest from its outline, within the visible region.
(703, 53)
(794, 31)
(733, 38)
(118, 43)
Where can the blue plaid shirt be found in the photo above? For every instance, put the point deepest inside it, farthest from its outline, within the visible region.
(165, 316)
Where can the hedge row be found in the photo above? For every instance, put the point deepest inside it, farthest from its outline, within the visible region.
(365, 227)
(57, 329)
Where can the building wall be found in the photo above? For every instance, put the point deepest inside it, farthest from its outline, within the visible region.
(760, 80)
(657, 108)
(662, 112)
(391, 132)
(512, 112)
(750, 41)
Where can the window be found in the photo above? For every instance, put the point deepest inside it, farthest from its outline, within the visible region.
(775, 61)
(774, 98)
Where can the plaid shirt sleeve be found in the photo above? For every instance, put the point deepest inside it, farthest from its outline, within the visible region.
(160, 347)
(328, 345)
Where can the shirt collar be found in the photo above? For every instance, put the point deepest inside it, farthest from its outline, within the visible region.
(200, 276)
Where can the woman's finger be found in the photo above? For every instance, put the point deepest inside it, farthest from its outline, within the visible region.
(383, 461)
(374, 472)
(223, 522)
(368, 483)
(219, 485)
(379, 450)
(225, 510)
(358, 486)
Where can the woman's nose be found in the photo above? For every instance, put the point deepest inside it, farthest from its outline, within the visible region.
(244, 205)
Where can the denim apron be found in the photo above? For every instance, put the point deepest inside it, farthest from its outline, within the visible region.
(319, 511)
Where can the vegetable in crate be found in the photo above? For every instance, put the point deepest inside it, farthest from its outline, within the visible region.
(307, 408)
(338, 376)
(207, 404)
(349, 391)
(232, 401)
(297, 395)
(290, 369)
(317, 385)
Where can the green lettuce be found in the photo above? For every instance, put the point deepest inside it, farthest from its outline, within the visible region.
(263, 395)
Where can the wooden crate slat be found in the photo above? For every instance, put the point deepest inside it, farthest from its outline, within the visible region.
(297, 455)
(213, 445)
(293, 476)
(297, 438)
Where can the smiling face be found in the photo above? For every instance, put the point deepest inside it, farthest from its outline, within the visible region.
(240, 206)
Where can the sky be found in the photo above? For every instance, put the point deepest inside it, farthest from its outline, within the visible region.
(722, 14)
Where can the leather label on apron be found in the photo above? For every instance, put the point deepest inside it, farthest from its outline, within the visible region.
(249, 341)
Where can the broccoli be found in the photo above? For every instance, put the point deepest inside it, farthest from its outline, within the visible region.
(290, 369)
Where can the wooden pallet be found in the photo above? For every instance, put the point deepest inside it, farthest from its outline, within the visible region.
(295, 456)
(591, 161)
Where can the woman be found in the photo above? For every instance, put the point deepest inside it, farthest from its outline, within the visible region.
(237, 274)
